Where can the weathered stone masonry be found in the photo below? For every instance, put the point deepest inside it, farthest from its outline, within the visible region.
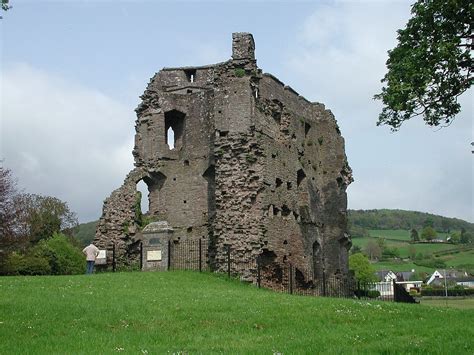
(255, 167)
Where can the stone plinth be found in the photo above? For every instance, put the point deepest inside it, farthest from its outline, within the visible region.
(155, 252)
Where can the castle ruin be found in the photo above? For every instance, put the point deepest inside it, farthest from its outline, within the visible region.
(253, 167)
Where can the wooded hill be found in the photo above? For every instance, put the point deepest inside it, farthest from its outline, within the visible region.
(401, 219)
(359, 222)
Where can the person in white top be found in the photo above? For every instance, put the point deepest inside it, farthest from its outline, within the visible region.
(91, 252)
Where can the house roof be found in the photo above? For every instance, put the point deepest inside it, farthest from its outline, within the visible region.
(404, 275)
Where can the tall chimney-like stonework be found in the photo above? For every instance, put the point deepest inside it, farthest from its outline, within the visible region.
(243, 46)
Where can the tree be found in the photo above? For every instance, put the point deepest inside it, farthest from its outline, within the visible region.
(7, 211)
(5, 6)
(455, 237)
(42, 216)
(10, 233)
(356, 249)
(364, 271)
(428, 233)
(372, 250)
(414, 235)
(431, 66)
(465, 237)
(428, 222)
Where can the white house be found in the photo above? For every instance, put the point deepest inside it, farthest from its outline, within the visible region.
(450, 274)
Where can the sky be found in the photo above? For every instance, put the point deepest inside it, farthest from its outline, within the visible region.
(72, 72)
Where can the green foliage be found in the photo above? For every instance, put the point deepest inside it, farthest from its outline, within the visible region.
(431, 65)
(414, 235)
(433, 263)
(373, 293)
(63, 257)
(42, 216)
(84, 233)
(372, 249)
(400, 219)
(466, 237)
(441, 292)
(356, 249)
(391, 253)
(358, 232)
(19, 264)
(138, 209)
(428, 233)
(455, 237)
(239, 72)
(320, 140)
(364, 271)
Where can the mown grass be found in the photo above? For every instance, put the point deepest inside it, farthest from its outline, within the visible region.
(186, 312)
(459, 303)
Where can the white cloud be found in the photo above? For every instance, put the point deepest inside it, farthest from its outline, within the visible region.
(339, 58)
(64, 140)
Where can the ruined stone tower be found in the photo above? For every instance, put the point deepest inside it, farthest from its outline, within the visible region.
(254, 167)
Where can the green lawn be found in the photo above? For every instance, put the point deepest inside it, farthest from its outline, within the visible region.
(192, 313)
(461, 303)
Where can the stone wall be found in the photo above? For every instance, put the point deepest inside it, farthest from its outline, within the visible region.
(255, 167)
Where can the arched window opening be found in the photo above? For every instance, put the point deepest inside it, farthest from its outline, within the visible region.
(174, 129)
(144, 203)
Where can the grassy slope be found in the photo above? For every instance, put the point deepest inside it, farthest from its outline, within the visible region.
(137, 313)
(400, 240)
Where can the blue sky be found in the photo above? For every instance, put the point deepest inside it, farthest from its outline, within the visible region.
(72, 73)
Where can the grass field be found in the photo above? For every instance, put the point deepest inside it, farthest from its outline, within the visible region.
(400, 239)
(462, 303)
(191, 313)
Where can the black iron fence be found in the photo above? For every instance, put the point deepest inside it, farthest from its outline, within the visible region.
(282, 276)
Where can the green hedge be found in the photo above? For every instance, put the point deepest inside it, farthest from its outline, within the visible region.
(18, 264)
(451, 292)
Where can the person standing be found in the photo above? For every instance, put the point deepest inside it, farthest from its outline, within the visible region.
(91, 252)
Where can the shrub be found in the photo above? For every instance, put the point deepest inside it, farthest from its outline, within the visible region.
(34, 265)
(239, 72)
(373, 294)
(63, 257)
(19, 264)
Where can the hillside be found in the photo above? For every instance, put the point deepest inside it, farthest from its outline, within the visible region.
(360, 221)
(200, 313)
(401, 219)
(85, 232)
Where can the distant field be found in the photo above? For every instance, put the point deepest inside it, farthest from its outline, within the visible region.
(400, 239)
(466, 257)
(192, 313)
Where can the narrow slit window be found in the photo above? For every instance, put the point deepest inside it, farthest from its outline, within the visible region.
(174, 129)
